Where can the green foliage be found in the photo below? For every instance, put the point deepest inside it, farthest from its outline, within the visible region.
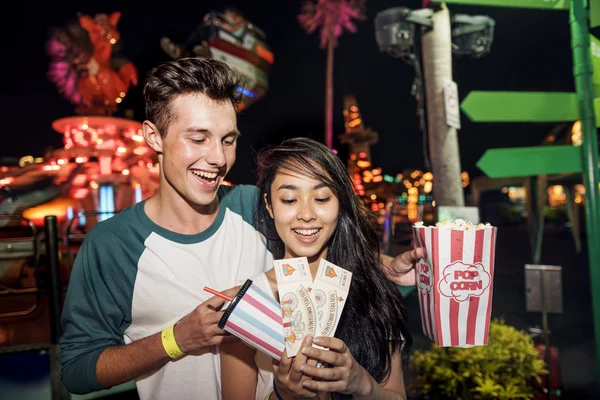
(501, 370)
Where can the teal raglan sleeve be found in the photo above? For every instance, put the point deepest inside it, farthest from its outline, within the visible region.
(94, 316)
(251, 199)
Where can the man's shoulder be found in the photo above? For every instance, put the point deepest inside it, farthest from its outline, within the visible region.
(239, 191)
(239, 196)
(119, 227)
(240, 199)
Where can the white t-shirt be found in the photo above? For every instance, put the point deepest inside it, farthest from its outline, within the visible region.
(264, 363)
(133, 278)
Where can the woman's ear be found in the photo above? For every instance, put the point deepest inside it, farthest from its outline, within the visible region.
(268, 205)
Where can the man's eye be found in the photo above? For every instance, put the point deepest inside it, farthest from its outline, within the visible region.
(197, 141)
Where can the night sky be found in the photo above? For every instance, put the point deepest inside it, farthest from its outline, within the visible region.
(531, 52)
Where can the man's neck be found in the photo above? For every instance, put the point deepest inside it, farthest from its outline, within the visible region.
(172, 212)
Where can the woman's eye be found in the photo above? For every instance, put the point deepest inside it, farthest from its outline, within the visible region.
(286, 201)
(322, 199)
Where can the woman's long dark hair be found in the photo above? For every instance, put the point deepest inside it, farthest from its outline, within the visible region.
(374, 322)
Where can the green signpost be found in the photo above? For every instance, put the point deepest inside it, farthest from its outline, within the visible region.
(520, 107)
(490, 106)
(543, 4)
(530, 161)
(553, 107)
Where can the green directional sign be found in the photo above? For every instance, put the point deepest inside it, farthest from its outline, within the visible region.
(530, 161)
(595, 53)
(543, 4)
(482, 106)
(594, 13)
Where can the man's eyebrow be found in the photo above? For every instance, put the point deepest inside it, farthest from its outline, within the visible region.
(196, 129)
(193, 129)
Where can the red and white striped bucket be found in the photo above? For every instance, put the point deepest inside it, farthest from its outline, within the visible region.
(455, 284)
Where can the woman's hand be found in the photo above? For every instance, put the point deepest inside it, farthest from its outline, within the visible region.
(344, 375)
(289, 378)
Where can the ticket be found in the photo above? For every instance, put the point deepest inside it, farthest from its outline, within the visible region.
(293, 280)
(329, 292)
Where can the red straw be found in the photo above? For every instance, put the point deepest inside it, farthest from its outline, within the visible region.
(221, 295)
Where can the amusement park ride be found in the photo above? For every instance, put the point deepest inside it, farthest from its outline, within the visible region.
(104, 165)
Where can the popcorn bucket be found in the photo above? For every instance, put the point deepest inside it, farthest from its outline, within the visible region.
(255, 317)
(455, 283)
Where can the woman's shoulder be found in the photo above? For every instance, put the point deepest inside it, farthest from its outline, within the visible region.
(267, 282)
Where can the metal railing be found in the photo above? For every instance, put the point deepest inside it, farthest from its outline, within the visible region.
(21, 247)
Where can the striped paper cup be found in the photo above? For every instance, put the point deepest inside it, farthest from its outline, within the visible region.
(255, 317)
(455, 282)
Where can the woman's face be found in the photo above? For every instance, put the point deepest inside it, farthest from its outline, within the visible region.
(305, 212)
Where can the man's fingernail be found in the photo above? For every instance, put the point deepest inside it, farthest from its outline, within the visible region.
(307, 339)
(317, 340)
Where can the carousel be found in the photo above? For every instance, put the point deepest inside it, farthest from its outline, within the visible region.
(104, 164)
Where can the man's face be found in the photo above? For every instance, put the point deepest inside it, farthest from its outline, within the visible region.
(198, 149)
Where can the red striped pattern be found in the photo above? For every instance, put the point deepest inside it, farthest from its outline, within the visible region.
(265, 310)
(470, 311)
(256, 341)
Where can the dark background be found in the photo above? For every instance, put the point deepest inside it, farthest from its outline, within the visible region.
(531, 52)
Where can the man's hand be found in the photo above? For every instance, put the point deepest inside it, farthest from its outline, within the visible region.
(199, 329)
(401, 269)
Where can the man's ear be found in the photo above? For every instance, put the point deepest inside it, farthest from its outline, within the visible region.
(152, 136)
(269, 208)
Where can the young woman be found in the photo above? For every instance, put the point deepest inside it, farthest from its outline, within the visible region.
(308, 208)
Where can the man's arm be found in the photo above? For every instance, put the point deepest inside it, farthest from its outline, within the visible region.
(120, 364)
(197, 330)
(93, 316)
(400, 269)
(93, 354)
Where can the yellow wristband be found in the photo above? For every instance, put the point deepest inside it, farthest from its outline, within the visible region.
(268, 396)
(169, 343)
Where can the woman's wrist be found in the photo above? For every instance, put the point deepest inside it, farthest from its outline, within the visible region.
(367, 385)
(275, 395)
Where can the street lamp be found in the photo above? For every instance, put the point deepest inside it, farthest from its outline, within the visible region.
(472, 35)
(395, 33)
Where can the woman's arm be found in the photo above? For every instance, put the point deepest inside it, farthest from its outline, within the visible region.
(392, 388)
(347, 376)
(239, 373)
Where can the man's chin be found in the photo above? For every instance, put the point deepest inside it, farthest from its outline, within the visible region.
(204, 200)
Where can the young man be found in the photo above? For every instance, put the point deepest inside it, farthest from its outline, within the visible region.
(135, 305)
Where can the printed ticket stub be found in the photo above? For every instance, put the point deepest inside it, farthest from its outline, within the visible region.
(293, 280)
(329, 292)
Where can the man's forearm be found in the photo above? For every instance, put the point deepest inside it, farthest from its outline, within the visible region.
(120, 364)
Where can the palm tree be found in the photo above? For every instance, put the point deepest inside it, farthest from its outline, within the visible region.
(332, 17)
